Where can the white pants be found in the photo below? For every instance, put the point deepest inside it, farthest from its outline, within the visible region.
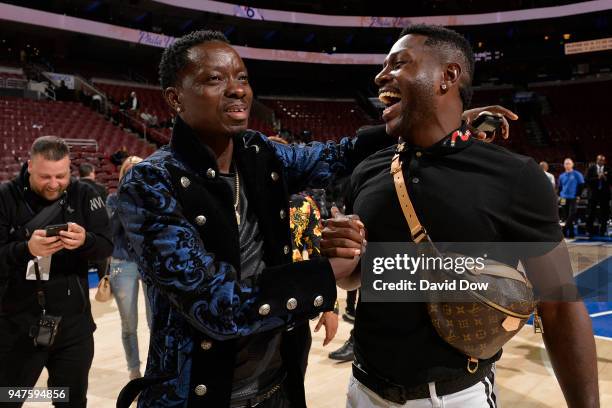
(480, 395)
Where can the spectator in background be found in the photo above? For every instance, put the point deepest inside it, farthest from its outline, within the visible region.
(119, 156)
(87, 174)
(550, 176)
(96, 102)
(124, 280)
(598, 181)
(62, 93)
(133, 102)
(571, 183)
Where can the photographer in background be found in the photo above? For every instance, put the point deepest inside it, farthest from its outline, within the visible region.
(43, 272)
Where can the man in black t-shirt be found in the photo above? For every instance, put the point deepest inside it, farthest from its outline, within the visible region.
(463, 190)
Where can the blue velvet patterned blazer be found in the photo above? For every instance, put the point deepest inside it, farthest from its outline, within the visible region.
(179, 220)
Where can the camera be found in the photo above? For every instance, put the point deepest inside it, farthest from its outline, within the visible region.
(44, 331)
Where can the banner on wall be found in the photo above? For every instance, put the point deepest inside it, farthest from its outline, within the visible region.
(219, 7)
(57, 79)
(61, 22)
(580, 47)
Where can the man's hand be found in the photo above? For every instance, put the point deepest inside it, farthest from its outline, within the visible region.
(343, 237)
(471, 114)
(330, 321)
(343, 242)
(74, 237)
(41, 245)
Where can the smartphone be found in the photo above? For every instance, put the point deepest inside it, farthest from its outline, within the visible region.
(53, 230)
(487, 122)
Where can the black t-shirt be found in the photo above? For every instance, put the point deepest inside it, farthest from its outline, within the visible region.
(258, 361)
(462, 191)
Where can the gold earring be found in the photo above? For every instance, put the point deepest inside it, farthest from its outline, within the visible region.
(443, 86)
(178, 109)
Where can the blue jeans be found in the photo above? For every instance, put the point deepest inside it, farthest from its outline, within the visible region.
(124, 280)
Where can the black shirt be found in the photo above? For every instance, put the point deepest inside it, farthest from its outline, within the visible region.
(258, 360)
(100, 189)
(467, 191)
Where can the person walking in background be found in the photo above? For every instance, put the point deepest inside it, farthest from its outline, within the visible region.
(550, 176)
(124, 280)
(598, 181)
(571, 183)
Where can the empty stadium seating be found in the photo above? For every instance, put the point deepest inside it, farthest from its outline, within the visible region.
(325, 119)
(23, 120)
(571, 118)
(576, 122)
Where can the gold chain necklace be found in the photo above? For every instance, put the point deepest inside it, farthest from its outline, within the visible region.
(237, 199)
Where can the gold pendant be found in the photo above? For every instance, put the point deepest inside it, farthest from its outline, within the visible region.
(237, 217)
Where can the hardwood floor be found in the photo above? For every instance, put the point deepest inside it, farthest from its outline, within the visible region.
(524, 374)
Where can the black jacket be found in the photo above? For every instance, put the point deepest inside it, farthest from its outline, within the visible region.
(593, 181)
(100, 189)
(67, 288)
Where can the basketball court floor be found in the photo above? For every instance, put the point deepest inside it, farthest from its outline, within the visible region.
(524, 374)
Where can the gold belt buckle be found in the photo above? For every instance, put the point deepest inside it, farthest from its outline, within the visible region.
(267, 395)
(472, 365)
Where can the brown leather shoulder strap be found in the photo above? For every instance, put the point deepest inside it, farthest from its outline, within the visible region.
(417, 231)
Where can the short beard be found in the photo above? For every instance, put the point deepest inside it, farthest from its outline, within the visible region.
(423, 106)
(41, 194)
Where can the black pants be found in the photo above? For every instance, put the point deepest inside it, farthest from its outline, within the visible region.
(603, 201)
(351, 301)
(67, 362)
(569, 208)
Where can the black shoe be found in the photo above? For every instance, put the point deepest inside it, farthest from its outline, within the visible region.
(344, 353)
(348, 317)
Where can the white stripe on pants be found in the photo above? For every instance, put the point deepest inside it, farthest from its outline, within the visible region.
(480, 395)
